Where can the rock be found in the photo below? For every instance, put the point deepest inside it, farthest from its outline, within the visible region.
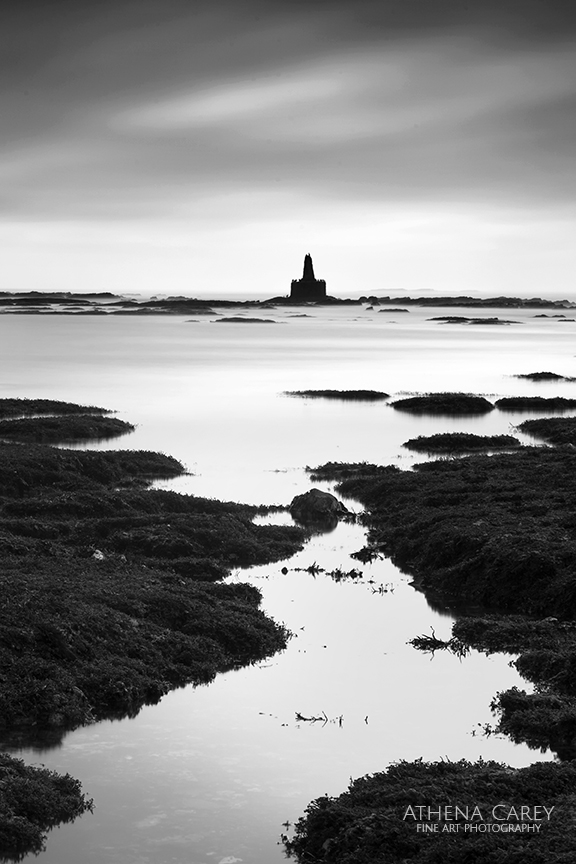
(317, 506)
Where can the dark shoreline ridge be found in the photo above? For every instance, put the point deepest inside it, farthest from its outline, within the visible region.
(474, 302)
(494, 532)
(65, 303)
(112, 592)
(349, 395)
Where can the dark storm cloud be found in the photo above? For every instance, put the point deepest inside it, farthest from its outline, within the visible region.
(132, 109)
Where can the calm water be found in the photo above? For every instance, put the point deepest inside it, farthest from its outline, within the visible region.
(209, 775)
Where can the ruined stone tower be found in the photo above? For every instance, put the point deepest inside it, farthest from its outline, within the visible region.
(308, 288)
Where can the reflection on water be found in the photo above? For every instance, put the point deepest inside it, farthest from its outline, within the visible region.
(210, 774)
(38, 740)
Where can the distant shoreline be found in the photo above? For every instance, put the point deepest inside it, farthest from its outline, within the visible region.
(106, 303)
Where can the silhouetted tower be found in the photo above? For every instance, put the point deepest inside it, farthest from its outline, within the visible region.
(308, 288)
(308, 268)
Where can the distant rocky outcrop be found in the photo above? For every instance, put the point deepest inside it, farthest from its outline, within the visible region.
(544, 376)
(475, 302)
(461, 319)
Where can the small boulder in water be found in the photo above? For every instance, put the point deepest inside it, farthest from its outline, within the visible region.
(317, 506)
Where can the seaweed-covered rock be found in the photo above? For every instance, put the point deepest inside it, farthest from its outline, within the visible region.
(444, 403)
(57, 430)
(460, 442)
(32, 800)
(30, 407)
(535, 403)
(492, 530)
(110, 590)
(375, 821)
(554, 430)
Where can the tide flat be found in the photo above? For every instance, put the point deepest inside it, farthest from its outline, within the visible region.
(210, 774)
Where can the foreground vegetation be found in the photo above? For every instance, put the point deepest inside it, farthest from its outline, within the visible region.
(112, 595)
(494, 532)
(32, 800)
(371, 822)
(497, 530)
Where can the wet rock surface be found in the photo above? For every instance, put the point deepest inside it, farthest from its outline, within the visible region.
(317, 507)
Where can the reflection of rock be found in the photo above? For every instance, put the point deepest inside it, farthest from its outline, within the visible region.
(317, 507)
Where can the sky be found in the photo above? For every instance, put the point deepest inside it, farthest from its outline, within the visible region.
(202, 148)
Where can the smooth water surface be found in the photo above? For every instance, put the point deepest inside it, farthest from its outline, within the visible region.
(209, 775)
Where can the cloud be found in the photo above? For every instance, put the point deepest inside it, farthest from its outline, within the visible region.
(215, 118)
(392, 89)
(224, 103)
(444, 114)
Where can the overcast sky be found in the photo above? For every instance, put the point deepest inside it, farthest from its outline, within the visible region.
(174, 146)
